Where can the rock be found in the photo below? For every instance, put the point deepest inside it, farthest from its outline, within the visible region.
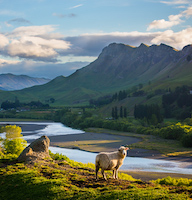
(37, 150)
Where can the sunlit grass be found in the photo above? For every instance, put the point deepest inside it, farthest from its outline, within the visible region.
(53, 180)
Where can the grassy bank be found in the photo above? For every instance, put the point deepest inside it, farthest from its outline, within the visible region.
(166, 147)
(62, 178)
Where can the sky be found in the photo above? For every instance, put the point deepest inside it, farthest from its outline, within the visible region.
(46, 38)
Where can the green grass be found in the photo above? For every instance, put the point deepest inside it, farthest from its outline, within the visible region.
(62, 179)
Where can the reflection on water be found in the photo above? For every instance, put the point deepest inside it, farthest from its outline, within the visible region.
(130, 163)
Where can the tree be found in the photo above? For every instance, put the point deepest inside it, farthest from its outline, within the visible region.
(14, 143)
(121, 112)
(113, 113)
(116, 112)
(125, 113)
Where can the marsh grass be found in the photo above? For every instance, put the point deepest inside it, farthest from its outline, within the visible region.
(61, 179)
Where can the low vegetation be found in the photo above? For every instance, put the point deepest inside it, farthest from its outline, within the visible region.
(62, 178)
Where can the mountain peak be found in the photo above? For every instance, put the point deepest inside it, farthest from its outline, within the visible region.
(142, 45)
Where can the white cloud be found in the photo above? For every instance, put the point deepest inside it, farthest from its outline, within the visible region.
(163, 24)
(175, 2)
(35, 42)
(173, 20)
(4, 62)
(174, 39)
(32, 30)
(76, 6)
(188, 12)
(4, 41)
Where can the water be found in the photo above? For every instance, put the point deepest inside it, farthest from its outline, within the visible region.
(51, 129)
(130, 163)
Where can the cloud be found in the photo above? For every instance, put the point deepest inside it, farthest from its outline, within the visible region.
(175, 2)
(163, 24)
(64, 16)
(77, 6)
(188, 12)
(42, 43)
(173, 19)
(37, 69)
(4, 62)
(19, 21)
(34, 42)
(4, 41)
(177, 40)
(92, 44)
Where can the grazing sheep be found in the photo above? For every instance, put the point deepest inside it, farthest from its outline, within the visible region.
(110, 161)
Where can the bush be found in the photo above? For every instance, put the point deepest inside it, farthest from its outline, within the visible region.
(187, 140)
(174, 132)
(14, 143)
(174, 181)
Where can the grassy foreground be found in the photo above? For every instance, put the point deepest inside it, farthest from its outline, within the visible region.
(62, 178)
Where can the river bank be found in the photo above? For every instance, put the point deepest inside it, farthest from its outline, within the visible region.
(61, 136)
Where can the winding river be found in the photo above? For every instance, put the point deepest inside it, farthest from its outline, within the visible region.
(34, 130)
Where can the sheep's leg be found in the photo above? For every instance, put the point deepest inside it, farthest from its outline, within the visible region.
(96, 171)
(114, 174)
(103, 173)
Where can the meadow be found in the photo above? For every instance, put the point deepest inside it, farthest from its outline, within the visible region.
(61, 178)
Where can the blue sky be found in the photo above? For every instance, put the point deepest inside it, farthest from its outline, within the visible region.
(46, 38)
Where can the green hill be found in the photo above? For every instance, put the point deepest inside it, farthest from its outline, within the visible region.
(118, 67)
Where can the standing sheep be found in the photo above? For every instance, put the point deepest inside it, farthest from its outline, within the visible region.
(110, 161)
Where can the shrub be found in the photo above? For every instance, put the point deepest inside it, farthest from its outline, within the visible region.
(174, 181)
(14, 143)
(187, 140)
(172, 132)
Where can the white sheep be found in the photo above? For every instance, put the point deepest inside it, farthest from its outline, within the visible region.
(110, 161)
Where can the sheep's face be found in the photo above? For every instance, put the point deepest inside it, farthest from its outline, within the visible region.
(123, 151)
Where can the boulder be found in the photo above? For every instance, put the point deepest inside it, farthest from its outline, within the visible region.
(37, 150)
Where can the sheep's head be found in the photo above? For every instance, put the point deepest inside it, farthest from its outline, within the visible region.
(123, 151)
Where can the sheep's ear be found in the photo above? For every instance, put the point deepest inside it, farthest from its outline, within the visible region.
(127, 148)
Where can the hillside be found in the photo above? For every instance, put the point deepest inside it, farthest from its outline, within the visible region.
(62, 178)
(118, 67)
(18, 82)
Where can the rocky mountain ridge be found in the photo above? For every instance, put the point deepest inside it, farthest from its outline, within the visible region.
(119, 67)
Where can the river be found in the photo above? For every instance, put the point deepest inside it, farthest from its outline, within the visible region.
(34, 130)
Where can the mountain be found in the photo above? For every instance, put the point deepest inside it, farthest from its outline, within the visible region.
(118, 67)
(18, 82)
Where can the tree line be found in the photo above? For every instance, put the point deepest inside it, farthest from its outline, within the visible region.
(151, 113)
(178, 103)
(6, 105)
(135, 91)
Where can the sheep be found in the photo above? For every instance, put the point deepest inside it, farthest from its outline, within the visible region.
(110, 161)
